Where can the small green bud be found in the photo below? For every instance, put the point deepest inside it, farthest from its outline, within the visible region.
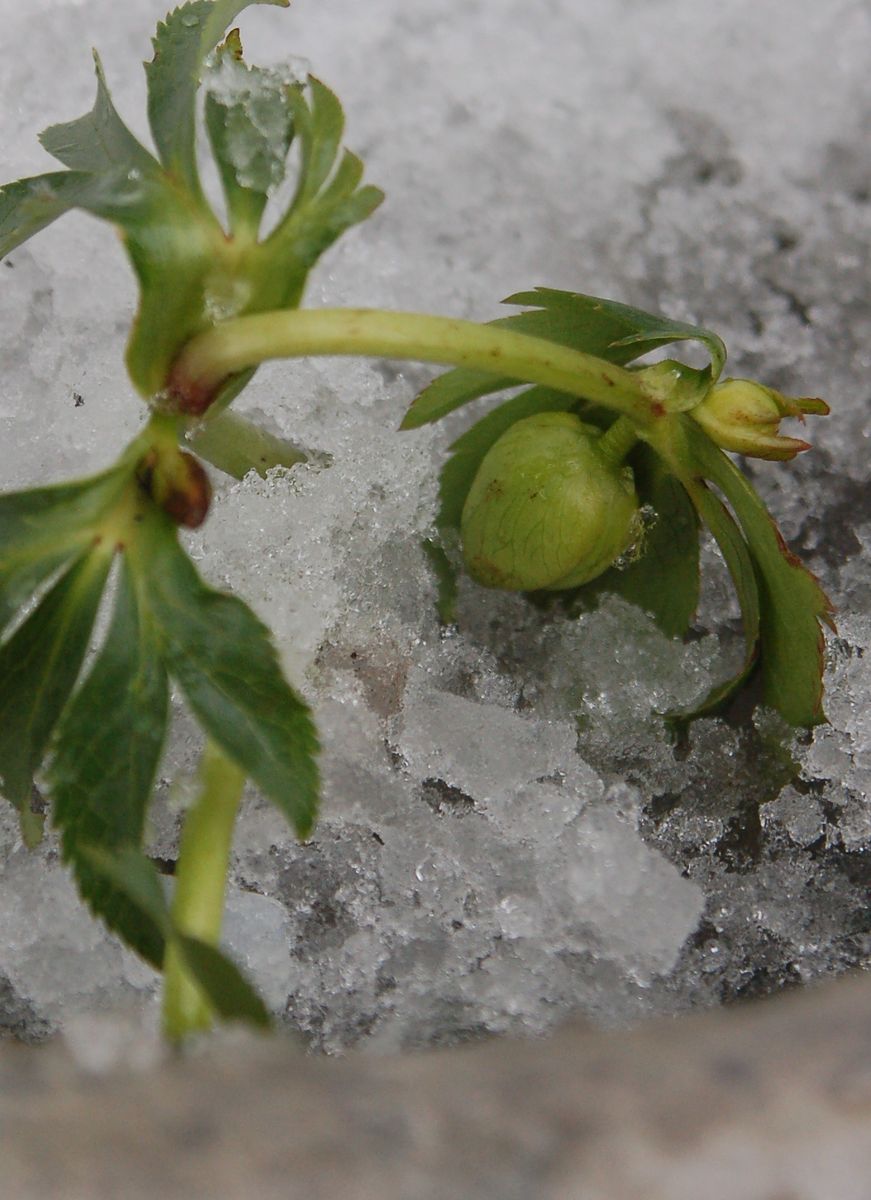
(745, 417)
(548, 508)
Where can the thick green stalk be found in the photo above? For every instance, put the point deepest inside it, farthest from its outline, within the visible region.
(211, 357)
(236, 445)
(200, 884)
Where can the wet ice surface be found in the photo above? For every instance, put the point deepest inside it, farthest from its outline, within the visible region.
(507, 835)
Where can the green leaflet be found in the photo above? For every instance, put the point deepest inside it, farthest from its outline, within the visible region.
(792, 604)
(44, 528)
(615, 332)
(740, 564)
(29, 205)
(99, 141)
(327, 200)
(106, 753)
(129, 873)
(223, 984)
(39, 665)
(249, 121)
(181, 45)
(224, 660)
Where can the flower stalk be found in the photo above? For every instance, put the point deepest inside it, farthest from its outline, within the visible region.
(210, 358)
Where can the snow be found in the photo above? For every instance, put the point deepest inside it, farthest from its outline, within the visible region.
(507, 834)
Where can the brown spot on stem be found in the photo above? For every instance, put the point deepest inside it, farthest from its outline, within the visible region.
(657, 408)
(190, 396)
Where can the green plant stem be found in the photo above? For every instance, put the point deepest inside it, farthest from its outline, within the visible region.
(616, 442)
(211, 357)
(236, 445)
(200, 883)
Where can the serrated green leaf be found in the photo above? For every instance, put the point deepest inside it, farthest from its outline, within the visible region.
(98, 141)
(663, 579)
(792, 605)
(322, 136)
(106, 753)
(250, 126)
(29, 205)
(126, 871)
(327, 201)
(42, 529)
(609, 330)
(223, 658)
(181, 45)
(446, 580)
(39, 665)
(222, 983)
(738, 560)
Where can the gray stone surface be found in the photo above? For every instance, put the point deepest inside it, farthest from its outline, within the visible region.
(770, 1101)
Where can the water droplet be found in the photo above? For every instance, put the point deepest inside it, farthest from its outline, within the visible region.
(190, 20)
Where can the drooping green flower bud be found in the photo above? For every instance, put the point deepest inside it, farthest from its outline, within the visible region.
(745, 417)
(548, 509)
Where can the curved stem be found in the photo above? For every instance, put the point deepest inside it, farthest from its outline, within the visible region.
(616, 442)
(208, 359)
(200, 883)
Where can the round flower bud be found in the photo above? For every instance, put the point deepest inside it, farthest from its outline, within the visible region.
(745, 417)
(548, 508)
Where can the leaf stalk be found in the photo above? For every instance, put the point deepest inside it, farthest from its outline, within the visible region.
(200, 885)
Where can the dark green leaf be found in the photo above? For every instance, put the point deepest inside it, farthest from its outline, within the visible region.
(663, 579)
(737, 557)
(250, 126)
(612, 331)
(44, 528)
(224, 660)
(105, 757)
(98, 141)
(446, 580)
(223, 984)
(792, 603)
(181, 45)
(127, 872)
(39, 665)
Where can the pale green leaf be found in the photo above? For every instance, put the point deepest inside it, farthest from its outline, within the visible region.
(181, 45)
(98, 141)
(792, 605)
(249, 121)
